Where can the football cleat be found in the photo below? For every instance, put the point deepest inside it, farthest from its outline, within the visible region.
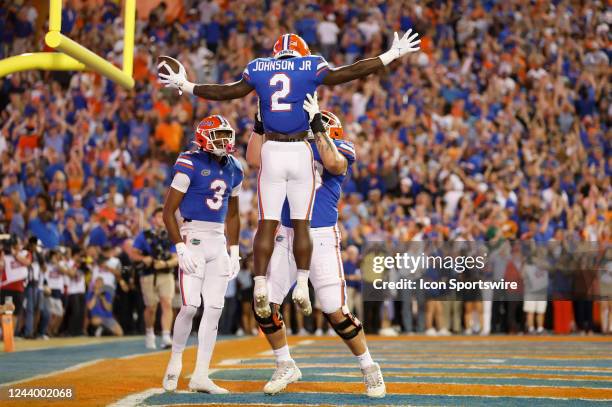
(260, 298)
(173, 372)
(374, 382)
(286, 372)
(205, 385)
(301, 296)
(290, 45)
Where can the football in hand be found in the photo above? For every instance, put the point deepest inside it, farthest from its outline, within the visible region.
(164, 62)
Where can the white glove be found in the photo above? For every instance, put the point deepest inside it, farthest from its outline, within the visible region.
(234, 262)
(177, 80)
(311, 105)
(186, 259)
(399, 48)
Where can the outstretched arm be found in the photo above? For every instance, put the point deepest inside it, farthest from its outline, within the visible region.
(178, 80)
(234, 90)
(359, 69)
(354, 71)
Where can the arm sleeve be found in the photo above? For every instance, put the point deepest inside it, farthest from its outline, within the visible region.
(184, 164)
(181, 182)
(347, 149)
(321, 70)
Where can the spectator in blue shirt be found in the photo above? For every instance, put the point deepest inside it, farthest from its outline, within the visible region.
(99, 235)
(100, 307)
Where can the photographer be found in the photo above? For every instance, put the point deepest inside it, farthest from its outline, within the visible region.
(100, 307)
(155, 253)
(128, 303)
(108, 267)
(35, 300)
(14, 264)
(74, 269)
(54, 289)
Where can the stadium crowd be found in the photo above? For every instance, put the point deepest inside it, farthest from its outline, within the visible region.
(497, 131)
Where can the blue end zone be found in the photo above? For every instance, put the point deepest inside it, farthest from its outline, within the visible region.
(313, 399)
(22, 365)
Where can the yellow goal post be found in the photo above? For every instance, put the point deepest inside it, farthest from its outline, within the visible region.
(72, 56)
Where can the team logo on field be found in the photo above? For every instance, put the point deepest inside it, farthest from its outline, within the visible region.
(205, 173)
(280, 238)
(195, 242)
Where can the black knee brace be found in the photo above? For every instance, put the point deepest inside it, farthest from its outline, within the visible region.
(272, 323)
(349, 321)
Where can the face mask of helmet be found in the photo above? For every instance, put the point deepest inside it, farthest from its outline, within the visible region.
(220, 142)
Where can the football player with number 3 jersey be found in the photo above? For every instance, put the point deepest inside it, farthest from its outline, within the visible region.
(205, 190)
(333, 157)
(286, 172)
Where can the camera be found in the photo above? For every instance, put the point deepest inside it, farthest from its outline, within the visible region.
(7, 242)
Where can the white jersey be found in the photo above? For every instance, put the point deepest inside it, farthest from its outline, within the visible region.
(55, 279)
(107, 277)
(76, 284)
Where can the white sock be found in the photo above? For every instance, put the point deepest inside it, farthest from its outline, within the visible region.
(176, 357)
(182, 328)
(150, 332)
(365, 359)
(166, 336)
(303, 275)
(207, 336)
(282, 354)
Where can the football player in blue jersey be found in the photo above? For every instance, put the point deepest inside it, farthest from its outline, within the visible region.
(286, 172)
(333, 157)
(205, 190)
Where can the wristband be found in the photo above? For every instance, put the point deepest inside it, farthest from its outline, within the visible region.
(316, 125)
(258, 127)
(235, 251)
(388, 57)
(188, 87)
(180, 247)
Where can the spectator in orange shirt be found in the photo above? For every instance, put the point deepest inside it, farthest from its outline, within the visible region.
(170, 133)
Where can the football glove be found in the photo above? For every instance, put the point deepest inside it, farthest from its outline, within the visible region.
(234, 261)
(186, 259)
(399, 48)
(177, 80)
(311, 105)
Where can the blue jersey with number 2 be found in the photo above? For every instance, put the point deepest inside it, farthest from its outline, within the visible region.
(282, 85)
(211, 184)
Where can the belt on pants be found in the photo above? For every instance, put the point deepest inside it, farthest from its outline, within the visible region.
(287, 138)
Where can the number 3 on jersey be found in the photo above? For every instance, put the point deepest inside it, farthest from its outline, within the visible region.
(284, 90)
(219, 186)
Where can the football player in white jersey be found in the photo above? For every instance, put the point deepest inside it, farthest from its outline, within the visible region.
(205, 190)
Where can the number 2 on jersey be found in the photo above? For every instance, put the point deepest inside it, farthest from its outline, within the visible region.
(284, 90)
(218, 186)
